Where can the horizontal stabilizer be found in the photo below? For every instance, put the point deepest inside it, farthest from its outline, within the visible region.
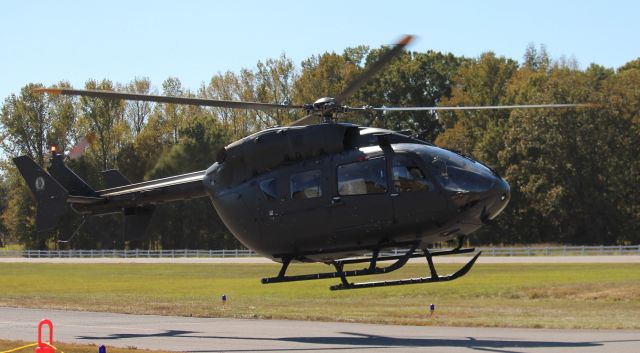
(84, 200)
(113, 178)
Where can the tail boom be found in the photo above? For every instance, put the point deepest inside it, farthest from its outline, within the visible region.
(59, 187)
(153, 192)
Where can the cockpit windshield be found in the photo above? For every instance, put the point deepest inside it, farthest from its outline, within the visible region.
(455, 172)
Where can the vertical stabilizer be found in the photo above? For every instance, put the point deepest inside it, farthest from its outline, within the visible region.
(49, 194)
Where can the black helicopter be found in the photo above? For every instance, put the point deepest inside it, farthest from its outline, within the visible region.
(314, 191)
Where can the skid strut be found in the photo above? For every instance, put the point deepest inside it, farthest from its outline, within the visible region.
(374, 269)
(433, 278)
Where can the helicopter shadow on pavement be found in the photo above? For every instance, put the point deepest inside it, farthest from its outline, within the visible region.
(353, 340)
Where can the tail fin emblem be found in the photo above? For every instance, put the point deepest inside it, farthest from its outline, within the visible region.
(39, 183)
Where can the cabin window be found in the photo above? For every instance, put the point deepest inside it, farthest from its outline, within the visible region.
(306, 185)
(408, 177)
(269, 189)
(366, 177)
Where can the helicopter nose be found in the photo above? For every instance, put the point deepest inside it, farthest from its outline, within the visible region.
(500, 196)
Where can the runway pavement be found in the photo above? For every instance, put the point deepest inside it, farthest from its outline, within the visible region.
(203, 335)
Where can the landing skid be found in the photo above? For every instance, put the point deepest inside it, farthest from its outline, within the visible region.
(374, 269)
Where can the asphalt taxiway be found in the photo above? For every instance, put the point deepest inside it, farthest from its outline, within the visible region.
(203, 335)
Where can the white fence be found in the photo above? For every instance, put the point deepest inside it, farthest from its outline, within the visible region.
(127, 253)
(499, 251)
(563, 251)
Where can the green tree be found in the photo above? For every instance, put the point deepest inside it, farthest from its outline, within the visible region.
(193, 223)
(536, 59)
(483, 81)
(230, 86)
(5, 236)
(172, 114)
(631, 65)
(18, 216)
(569, 168)
(105, 118)
(26, 124)
(274, 84)
(620, 121)
(136, 159)
(63, 113)
(137, 112)
(30, 123)
(411, 80)
(327, 75)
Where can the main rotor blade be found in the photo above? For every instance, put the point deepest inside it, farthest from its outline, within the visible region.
(305, 120)
(486, 107)
(165, 99)
(373, 69)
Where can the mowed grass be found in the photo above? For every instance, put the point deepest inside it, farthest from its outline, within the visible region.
(502, 295)
(67, 347)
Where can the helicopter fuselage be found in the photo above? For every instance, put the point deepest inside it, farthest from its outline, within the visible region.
(357, 190)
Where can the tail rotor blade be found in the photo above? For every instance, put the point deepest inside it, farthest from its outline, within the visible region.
(80, 147)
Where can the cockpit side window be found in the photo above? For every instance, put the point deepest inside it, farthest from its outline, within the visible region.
(360, 178)
(408, 177)
(306, 185)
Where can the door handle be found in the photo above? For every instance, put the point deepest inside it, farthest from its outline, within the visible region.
(336, 201)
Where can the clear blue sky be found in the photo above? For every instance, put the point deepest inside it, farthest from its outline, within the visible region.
(47, 41)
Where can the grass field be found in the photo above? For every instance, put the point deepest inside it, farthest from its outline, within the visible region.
(75, 348)
(504, 295)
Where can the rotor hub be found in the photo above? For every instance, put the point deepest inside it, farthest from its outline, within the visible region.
(325, 106)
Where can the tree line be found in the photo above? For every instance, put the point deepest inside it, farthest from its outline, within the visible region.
(574, 173)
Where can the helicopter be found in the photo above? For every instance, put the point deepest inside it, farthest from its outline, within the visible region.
(317, 190)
